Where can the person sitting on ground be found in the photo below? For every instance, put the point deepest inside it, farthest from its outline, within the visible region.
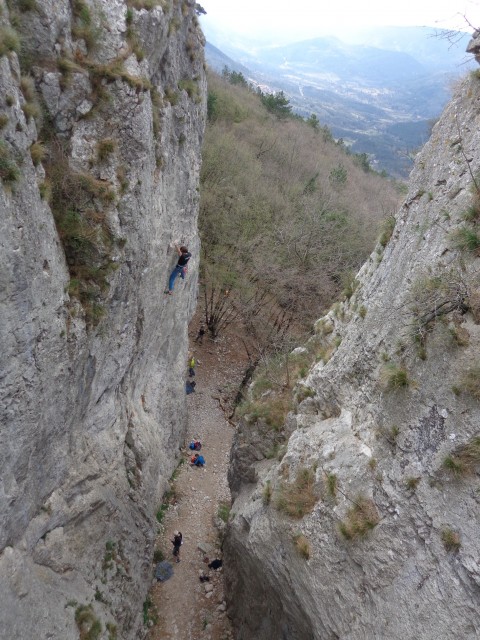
(190, 386)
(195, 445)
(180, 268)
(197, 460)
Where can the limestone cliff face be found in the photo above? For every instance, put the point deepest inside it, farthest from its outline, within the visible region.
(102, 107)
(389, 437)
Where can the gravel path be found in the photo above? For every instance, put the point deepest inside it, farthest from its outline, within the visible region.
(187, 608)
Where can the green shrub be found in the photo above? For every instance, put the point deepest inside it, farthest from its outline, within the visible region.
(37, 153)
(190, 86)
(362, 312)
(323, 327)
(147, 4)
(160, 515)
(464, 460)
(105, 148)
(27, 87)
(394, 376)
(45, 189)
(27, 5)
(302, 545)
(112, 631)
(350, 286)
(31, 110)
(66, 68)
(387, 230)
(472, 214)
(88, 625)
(158, 555)
(332, 482)
(9, 40)
(174, 25)
(84, 27)
(134, 42)
(3, 120)
(223, 511)
(460, 336)
(361, 518)
(394, 432)
(81, 10)
(298, 498)
(451, 540)
(273, 409)
(412, 482)
(470, 382)
(77, 201)
(454, 465)
(149, 615)
(422, 352)
(304, 392)
(9, 172)
(31, 107)
(466, 239)
(168, 498)
(267, 492)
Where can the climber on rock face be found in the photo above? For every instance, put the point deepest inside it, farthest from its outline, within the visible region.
(180, 268)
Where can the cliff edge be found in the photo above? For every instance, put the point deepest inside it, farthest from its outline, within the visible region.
(102, 112)
(358, 519)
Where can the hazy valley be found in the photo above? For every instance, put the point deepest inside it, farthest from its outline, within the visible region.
(381, 99)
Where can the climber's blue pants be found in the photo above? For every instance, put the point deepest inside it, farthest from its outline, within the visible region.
(178, 271)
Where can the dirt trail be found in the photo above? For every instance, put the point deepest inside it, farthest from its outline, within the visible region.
(187, 608)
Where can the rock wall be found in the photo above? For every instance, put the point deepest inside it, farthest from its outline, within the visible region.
(102, 110)
(387, 436)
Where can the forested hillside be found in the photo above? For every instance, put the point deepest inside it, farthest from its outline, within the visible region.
(287, 216)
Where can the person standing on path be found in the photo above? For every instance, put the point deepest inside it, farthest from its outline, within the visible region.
(191, 365)
(200, 334)
(177, 543)
(180, 268)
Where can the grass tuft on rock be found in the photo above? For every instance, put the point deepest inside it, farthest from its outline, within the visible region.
(88, 624)
(298, 498)
(465, 459)
(9, 41)
(302, 545)
(361, 519)
(451, 539)
(9, 172)
(394, 376)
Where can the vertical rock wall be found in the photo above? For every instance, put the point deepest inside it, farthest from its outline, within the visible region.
(103, 109)
(386, 431)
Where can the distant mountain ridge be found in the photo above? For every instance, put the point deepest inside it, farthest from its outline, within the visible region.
(219, 60)
(378, 97)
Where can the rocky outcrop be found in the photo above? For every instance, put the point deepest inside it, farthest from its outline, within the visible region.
(386, 442)
(473, 46)
(102, 109)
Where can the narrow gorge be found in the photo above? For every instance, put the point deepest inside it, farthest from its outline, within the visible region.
(354, 516)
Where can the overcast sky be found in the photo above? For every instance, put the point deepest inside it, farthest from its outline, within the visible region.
(299, 19)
